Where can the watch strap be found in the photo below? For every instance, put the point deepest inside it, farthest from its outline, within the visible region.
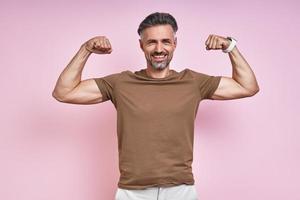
(231, 45)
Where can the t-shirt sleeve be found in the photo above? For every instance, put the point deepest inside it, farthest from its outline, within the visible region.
(207, 84)
(106, 85)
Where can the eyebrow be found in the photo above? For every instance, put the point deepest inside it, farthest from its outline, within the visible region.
(153, 40)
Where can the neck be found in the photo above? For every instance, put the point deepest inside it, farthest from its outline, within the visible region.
(154, 73)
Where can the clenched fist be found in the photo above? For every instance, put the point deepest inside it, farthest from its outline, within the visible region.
(98, 45)
(217, 42)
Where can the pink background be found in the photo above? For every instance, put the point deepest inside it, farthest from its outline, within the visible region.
(244, 149)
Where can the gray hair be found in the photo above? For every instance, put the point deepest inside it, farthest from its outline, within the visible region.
(158, 18)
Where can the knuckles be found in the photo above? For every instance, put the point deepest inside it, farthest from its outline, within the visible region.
(100, 45)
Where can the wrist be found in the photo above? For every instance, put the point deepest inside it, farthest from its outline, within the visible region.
(231, 46)
(84, 49)
(83, 52)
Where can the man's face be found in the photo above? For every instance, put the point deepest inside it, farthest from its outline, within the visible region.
(158, 43)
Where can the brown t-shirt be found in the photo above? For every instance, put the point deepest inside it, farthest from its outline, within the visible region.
(155, 124)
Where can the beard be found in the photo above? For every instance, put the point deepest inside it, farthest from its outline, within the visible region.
(159, 65)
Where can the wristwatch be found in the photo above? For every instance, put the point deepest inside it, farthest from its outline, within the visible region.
(231, 45)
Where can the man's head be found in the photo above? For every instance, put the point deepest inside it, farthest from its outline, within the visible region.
(158, 37)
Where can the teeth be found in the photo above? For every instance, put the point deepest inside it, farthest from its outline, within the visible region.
(159, 56)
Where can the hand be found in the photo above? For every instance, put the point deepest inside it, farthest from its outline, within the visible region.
(98, 45)
(217, 42)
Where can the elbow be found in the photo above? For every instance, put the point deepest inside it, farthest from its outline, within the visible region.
(254, 91)
(57, 97)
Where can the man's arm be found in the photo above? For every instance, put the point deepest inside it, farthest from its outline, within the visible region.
(69, 88)
(243, 82)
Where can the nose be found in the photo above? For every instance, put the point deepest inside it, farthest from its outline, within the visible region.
(159, 47)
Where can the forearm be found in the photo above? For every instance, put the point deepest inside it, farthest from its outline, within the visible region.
(71, 75)
(242, 72)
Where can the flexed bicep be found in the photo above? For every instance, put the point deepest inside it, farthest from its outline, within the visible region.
(86, 92)
(229, 89)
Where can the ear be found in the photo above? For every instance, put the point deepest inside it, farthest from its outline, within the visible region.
(175, 42)
(141, 44)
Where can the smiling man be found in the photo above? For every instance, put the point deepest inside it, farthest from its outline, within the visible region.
(156, 107)
(158, 43)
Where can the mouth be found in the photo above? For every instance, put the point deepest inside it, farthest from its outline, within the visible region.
(159, 57)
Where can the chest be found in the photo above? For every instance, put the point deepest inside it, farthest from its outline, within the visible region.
(160, 100)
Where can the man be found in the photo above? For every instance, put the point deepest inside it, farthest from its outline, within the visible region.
(156, 107)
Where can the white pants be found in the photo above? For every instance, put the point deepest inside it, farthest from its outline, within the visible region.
(178, 192)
